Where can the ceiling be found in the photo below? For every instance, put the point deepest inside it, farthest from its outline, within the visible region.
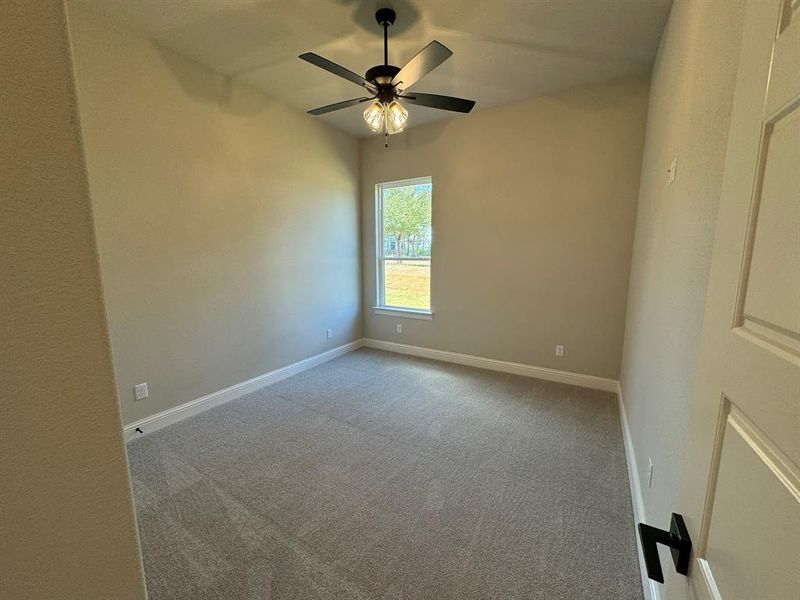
(505, 51)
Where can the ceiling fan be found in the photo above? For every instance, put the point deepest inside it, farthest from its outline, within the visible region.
(388, 84)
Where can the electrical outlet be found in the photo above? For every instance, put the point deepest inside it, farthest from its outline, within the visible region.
(649, 472)
(673, 166)
(329, 334)
(140, 391)
(560, 350)
(399, 328)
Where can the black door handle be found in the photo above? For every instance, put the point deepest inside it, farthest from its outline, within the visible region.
(678, 540)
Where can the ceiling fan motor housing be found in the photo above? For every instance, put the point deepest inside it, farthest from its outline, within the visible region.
(381, 75)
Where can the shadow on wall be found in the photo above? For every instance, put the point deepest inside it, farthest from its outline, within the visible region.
(252, 37)
(202, 83)
(256, 37)
(240, 99)
(591, 98)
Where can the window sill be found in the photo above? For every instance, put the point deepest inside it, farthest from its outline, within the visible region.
(407, 313)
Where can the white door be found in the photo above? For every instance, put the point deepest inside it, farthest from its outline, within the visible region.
(741, 486)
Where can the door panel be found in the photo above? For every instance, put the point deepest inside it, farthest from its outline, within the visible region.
(738, 557)
(741, 480)
(772, 302)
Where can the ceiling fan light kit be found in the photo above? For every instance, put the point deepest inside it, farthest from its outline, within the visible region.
(388, 84)
(386, 118)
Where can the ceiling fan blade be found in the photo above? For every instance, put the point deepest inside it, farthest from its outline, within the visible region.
(441, 102)
(332, 67)
(332, 107)
(426, 60)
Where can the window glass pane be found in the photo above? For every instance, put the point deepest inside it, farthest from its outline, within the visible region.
(407, 245)
(407, 283)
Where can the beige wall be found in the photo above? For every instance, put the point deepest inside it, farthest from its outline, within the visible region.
(66, 520)
(533, 213)
(690, 103)
(227, 223)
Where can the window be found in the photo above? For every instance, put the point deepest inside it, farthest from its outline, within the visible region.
(404, 236)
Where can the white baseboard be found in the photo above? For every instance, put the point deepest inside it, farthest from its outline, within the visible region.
(193, 407)
(589, 381)
(652, 589)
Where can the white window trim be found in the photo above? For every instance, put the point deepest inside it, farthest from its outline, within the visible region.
(381, 307)
(403, 313)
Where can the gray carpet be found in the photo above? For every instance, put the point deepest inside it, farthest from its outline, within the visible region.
(383, 476)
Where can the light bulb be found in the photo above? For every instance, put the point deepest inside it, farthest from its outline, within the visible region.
(374, 116)
(396, 117)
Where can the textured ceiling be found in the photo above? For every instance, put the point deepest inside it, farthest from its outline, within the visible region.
(504, 50)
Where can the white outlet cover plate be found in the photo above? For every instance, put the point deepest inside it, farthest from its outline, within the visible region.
(140, 391)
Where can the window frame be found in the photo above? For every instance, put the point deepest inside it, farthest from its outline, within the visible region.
(381, 307)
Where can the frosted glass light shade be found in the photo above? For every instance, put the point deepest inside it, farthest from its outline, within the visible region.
(391, 118)
(396, 117)
(374, 116)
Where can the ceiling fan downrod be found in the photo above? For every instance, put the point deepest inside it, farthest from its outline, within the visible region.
(385, 18)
